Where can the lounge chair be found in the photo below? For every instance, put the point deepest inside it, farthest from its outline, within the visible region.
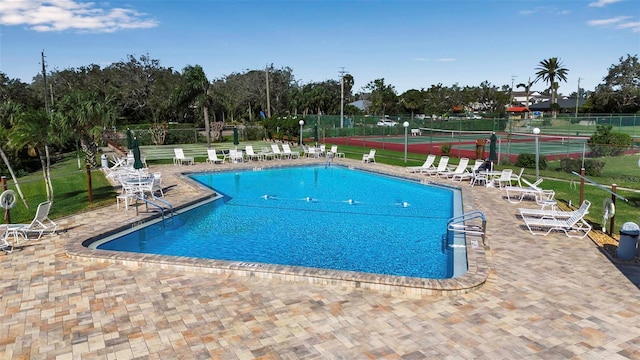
(236, 155)
(428, 164)
(517, 177)
(370, 157)
(5, 245)
(156, 185)
(312, 152)
(275, 149)
(40, 224)
(250, 154)
(553, 213)
(504, 179)
(442, 166)
(468, 175)
(575, 226)
(286, 149)
(460, 169)
(212, 157)
(515, 194)
(180, 159)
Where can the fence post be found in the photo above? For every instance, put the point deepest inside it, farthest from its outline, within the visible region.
(7, 214)
(581, 186)
(89, 184)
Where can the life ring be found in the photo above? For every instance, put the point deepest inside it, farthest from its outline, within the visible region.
(8, 199)
(609, 209)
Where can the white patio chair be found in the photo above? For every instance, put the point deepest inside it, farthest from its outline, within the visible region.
(334, 151)
(504, 179)
(459, 170)
(428, 164)
(442, 166)
(370, 157)
(40, 224)
(290, 154)
(180, 159)
(575, 226)
(212, 157)
(275, 149)
(250, 154)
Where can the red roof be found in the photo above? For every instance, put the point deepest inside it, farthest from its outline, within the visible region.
(517, 109)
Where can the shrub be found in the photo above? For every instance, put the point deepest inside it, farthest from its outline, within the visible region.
(445, 149)
(529, 161)
(605, 142)
(592, 167)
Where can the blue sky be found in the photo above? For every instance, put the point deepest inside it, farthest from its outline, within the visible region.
(411, 44)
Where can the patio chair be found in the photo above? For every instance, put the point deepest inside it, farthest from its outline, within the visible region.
(468, 175)
(312, 152)
(517, 177)
(180, 159)
(370, 157)
(515, 194)
(40, 224)
(250, 154)
(290, 154)
(428, 164)
(553, 213)
(275, 149)
(504, 179)
(212, 157)
(334, 151)
(460, 169)
(442, 166)
(156, 185)
(575, 226)
(5, 245)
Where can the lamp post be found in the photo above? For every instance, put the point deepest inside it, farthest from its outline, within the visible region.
(301, 122)
(536, 132)
(406, 139)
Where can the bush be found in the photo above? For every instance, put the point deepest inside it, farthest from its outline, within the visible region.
(605, 142)
(529, 161)
(591, 167)
(445, 149)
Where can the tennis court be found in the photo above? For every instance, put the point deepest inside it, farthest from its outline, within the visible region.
(465, 143)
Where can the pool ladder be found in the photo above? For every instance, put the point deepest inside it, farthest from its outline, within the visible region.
(329, 159)
(155, 204)
(459, 224)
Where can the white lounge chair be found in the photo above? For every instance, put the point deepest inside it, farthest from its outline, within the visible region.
(5, 245)
(370, 157)
(553, 213)
(290, 154)
(442, 166)
(40, 224)
(504, 179)
(275, 149)
(180, 159)
(250, 154)
(157, 183)
(515, 194)
(236, 155)
(460, 169)
(428, 164)
(312, 152)
(212, 157)
(575, 226)
(517, 177)
(468, 175)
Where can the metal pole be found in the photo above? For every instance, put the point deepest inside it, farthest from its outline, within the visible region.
(613, 200)
(406, 139)
(536, 132)
(582, 171)
(7, 214)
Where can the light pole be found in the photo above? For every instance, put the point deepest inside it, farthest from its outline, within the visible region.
(536, 132)
(406, 139)
(301, 122)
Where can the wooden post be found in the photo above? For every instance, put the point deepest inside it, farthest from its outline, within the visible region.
(89, 184)
(7, 214)
(581, 186)
(612, 220)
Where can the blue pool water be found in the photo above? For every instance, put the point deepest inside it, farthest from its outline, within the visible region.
(331, 218)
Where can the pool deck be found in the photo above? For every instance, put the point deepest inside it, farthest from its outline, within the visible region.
(538, 297)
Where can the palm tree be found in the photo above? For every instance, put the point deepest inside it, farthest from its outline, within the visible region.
(195, 89)
(550, 70)
(32, 129)
(84, 116)
(527, 89)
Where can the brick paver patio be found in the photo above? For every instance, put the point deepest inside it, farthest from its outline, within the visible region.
(544, 298)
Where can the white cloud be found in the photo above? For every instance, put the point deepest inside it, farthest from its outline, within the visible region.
(420, 59)
(60, 15)
(446, 59)
(603, 3)
(633, 25)
(606, 22)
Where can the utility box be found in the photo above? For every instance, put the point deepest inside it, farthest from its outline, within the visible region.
(629, 234)
(105, 161)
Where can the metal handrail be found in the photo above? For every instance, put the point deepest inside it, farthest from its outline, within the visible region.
(458, 225)
(149, 202)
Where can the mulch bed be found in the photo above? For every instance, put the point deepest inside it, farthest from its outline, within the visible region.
(609, 244)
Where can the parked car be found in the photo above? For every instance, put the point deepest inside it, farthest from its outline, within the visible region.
(387, 122)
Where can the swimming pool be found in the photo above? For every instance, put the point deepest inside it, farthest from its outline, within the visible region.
(314, 217)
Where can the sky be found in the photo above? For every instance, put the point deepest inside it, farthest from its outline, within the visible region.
(411, 44)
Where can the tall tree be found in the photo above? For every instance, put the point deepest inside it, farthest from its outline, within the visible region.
(620, 91)
(527, 90)
(195, 90)
(383, 97)
(84, 116)
(551, 71)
